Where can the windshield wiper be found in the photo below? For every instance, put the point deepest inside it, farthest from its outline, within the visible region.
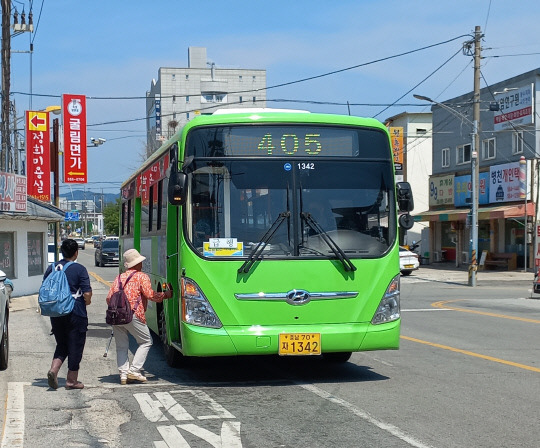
(258, 249)
(338, 252)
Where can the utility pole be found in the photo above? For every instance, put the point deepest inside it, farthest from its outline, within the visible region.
(6, 84)
(55, 167)
(475, 147)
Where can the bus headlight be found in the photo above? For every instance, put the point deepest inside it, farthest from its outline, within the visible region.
(388, 309)
(196, 309)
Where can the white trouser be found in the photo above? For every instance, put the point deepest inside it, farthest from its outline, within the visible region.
(141, 333)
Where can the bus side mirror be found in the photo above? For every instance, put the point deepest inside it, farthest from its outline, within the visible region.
(177, 188)
(404, 197)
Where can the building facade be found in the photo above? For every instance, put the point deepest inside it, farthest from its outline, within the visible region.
(23, 244)
(411, 142)
(508, 173)
(180, 94)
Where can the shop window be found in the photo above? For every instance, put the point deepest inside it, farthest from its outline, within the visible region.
(7, 259)
(517, 142)
(445, 157)
(463, 154)
(488, 149)
(35, 253)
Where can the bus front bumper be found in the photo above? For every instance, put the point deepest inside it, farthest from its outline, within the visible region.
(263, 340)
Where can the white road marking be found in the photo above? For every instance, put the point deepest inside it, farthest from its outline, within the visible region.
(395, 431)
(228, 438)
(152, 408)
(13, 431)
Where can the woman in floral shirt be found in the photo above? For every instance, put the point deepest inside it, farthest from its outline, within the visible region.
(138, 291)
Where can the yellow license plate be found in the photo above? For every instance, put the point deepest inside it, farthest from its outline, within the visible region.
(300, 344)
(408, 266)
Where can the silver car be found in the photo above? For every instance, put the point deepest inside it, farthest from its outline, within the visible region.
(4, 318)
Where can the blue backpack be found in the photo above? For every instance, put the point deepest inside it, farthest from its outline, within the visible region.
(55, 298)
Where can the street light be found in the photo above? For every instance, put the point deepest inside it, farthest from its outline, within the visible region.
(473, 266)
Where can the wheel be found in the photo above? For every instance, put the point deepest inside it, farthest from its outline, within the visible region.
(337, 357)
(96, 262)
(4, 346)
(173, 357)
(101, 263)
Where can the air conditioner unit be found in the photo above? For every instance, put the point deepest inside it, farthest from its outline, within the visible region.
(465, 257)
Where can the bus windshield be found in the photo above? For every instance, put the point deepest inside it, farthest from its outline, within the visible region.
(233, 203)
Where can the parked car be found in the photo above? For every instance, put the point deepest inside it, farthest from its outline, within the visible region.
(80, 242)
(4, 319)
(106, 253)
(408, 261)
(9, 288)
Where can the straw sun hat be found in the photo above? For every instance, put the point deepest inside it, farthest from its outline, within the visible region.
(132, 257)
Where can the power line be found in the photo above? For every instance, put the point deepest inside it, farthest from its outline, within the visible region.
(310, 78)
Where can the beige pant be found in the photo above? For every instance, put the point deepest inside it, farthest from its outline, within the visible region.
(141, 333)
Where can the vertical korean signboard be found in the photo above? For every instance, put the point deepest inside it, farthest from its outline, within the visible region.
(38, 155)
(396, 135)
(74, 125)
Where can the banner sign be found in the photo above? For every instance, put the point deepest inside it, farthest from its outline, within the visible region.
(463, 190)
(12, 193)
(396, 136)
(74, 125)
(516, 108)
(441, 190)
(504, 182)
(38, 155)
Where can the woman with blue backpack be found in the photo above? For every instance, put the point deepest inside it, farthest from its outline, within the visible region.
(70, 329)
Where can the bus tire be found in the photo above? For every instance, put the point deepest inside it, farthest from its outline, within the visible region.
(337, 357)
(172, 356)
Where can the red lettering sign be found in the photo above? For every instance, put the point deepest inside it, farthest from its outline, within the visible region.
(38, 155)
(74, 122)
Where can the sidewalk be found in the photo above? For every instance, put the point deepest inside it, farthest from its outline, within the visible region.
(448, 272)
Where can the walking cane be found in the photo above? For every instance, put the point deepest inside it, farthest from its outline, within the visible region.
(109, 344)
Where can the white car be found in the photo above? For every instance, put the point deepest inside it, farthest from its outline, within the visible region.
(408, 261)
(4, 318)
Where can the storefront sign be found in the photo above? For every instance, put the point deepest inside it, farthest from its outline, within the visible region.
(463, 189)
(516, 108)
(441, 190)
(12, 193)
(38, 155)
(504, 183)
(396, 135)
(74, 121)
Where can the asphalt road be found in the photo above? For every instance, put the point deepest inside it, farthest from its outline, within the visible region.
(467, 375)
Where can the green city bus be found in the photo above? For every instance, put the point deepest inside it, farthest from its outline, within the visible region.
(278, 231)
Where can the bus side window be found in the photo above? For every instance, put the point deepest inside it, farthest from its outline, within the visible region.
(159, 204)
(130, 213)
(151, 209)
(124, 219)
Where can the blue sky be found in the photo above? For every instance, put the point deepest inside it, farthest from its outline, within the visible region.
(113, 49)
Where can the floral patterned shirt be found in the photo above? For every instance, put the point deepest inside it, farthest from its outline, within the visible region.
(138, 288)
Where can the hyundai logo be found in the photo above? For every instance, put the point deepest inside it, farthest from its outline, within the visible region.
(298, 297)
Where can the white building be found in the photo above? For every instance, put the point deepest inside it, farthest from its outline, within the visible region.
(180, 94)
(413, 138)
(23, 244)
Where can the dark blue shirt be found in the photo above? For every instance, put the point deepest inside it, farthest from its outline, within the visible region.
(77, 277)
